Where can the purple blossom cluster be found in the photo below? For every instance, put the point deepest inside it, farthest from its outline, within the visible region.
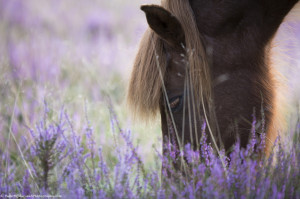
(57, 160)
(56, 51)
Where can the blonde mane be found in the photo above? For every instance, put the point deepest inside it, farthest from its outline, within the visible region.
(145, 87)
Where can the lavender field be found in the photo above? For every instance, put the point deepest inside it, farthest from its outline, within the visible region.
(65, 128)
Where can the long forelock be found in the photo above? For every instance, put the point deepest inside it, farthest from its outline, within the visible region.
(145, 87)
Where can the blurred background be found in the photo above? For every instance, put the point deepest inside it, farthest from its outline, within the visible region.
(77, 56)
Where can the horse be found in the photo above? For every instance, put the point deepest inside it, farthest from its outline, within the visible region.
(208, 61)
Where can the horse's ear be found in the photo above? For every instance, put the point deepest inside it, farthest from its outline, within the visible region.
(163, 23)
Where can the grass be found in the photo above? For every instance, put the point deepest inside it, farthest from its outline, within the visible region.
(58, 160)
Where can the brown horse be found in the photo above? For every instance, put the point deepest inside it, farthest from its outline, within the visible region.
(207, 61)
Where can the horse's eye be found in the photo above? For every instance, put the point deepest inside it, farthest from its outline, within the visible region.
(175, 103)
